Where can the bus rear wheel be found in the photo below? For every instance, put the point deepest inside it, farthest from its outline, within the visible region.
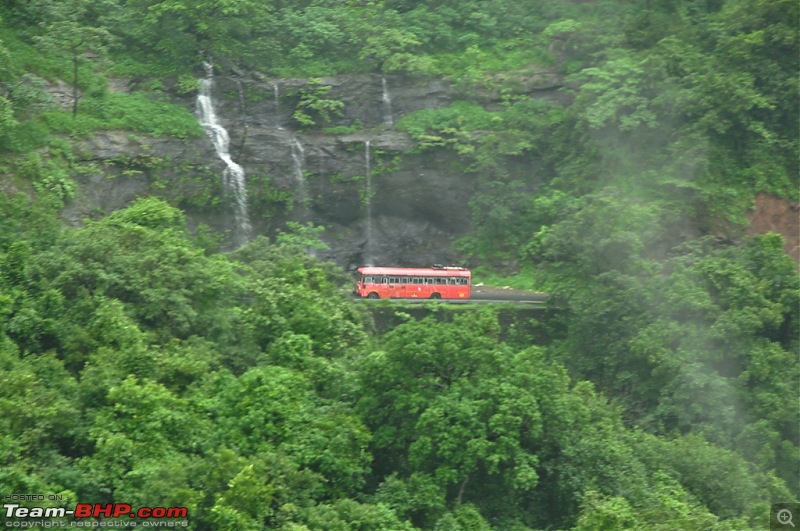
(435, 296)
(373, 295)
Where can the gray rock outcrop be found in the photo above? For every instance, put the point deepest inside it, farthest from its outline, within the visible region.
(412, 203)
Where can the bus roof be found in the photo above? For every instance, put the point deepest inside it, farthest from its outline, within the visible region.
(416, 271)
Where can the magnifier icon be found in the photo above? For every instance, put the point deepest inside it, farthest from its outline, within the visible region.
(785, 517)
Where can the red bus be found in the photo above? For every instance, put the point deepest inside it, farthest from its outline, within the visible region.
(437, 282)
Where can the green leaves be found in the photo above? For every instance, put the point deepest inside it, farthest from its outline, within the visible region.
(245, 388)
(449, 126)
(314, 109)
(7, 121)
(618, 94)
(459, 410)
(67, 31)
(182, 30)
(138, 366)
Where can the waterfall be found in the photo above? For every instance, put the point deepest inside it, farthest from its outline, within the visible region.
(301, 193)
(369, 258)
(299, 170)
(388, 120)
(233, 177)
(276, 92)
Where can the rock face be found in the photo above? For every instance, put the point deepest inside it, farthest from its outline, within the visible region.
(362, 181)
(127, 167)
(772, 214)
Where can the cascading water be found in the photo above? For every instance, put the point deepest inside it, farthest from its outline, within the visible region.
(369, 258)
(299, 170)
(388, 119)
(301, 192)
(233, 177)
(276, 95)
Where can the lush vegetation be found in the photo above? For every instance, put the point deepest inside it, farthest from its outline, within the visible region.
(141, 368)
(141, 365)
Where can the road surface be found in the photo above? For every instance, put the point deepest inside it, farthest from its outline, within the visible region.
(491, 294)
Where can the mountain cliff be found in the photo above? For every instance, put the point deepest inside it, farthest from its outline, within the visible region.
(358, 176)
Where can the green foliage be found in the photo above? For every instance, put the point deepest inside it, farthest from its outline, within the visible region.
(314, 108)
(66, 32)
(525, 279)
(343, 129)
(678, 339)
(28, 95)
(393, 50)
(450, 126)
(74, 52)
(244, 388)
(461, 417)
(187, 84)
(150, 213)
(139, 112)
(139, 365)
(7, 122)
(472, 68)
(309, 40)
(50, 178)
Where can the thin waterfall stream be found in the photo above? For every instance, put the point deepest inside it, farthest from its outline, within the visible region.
(299, 170)
(369, 258)
(276, 96)
(388, 118)
(233, 178)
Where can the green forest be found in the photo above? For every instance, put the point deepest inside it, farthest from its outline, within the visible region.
(143, 363)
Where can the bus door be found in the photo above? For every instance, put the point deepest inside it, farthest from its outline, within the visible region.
(403, 288)
(429, 287)
(361, 283)
(442, 288)
(415, 287)
(387, 288)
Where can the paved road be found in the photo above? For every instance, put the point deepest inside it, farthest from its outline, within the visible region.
(490, 295)
(506, 294)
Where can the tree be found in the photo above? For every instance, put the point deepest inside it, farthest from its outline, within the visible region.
(457, 416)
(274, 409)
(64, 30)
(188, 30)
(314, 108)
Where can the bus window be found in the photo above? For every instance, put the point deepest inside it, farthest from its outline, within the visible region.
(368, 280)
(384, 280)
(441, 280)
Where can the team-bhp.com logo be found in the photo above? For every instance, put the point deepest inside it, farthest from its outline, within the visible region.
(86, 515)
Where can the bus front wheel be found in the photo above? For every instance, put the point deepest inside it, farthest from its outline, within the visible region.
(373, 295)
(435, 296)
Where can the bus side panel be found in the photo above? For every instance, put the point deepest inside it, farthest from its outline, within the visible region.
(447, 292)
(387, 290)
(372, 288)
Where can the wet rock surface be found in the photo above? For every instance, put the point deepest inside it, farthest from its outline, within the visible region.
(413, 204)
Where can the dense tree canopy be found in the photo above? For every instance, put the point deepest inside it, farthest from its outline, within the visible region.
(141, 365)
